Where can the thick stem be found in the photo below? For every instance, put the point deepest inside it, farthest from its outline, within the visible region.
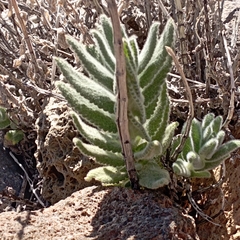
(122, 97)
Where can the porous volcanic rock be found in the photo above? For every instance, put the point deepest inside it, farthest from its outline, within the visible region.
(59, 162)
(98, 213)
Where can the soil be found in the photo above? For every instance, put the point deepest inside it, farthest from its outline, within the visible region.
(225, 200)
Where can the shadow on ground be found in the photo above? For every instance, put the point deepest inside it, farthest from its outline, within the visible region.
(125, 214)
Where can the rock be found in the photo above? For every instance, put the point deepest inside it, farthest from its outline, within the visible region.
(59, 162)
(102, 213)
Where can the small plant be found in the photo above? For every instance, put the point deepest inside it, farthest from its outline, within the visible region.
(4, 119)
(13, 136)
(93, 97)
(204, 148)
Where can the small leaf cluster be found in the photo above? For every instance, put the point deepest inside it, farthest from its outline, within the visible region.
(93, 98)
(204, 148)
(4, 119)
(13, 136)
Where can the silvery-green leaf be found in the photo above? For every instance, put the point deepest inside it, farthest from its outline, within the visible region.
(158, 56)
(224, 150)
(105, 140)
(195, 160)
(152, 176)
(207, 120)
(149, 46)
(196, 135)
(182, 168)
(209, 148)
(158, 121)
(168, 135)
(95, 69)
(104, 50)
(152, 149)
(85, 86)
(220, 137)
(107, 30)
(107, 175)
(216, 124)
(102, 156)
(87, 110)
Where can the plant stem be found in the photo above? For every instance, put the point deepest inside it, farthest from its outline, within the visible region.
(122, 97)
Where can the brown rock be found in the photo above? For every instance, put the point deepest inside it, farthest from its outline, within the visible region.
(60, 163)
(97, 213)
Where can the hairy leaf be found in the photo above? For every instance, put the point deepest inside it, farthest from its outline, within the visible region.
(85, 86)
(104, 140)
(98, 71)
(102, 156)
(107, 175)
(87, 110)
(152, 176)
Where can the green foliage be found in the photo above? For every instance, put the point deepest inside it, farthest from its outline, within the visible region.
(108, 175)
(204, 148)
(152, 175)
(14, 136)
(93, 99)
(4, 119)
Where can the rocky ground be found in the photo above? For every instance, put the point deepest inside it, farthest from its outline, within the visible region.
(97, 213)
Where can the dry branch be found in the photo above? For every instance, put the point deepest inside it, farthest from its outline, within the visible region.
(122, 98)
(232, 83)
(190, 100)
(25, 34)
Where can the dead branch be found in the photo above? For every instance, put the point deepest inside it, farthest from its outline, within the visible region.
(232, 90)
(122, 97)
(25, 34)
(190, 100)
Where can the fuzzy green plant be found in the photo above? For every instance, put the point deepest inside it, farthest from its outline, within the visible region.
(204, 148)
(93, 98)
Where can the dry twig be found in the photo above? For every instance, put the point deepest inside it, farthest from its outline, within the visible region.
(232, 90)
(163, 8)
(190, 100)
(122, 97)
(148, 13)
(28, 179)
(198, 209)
(25, 34)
